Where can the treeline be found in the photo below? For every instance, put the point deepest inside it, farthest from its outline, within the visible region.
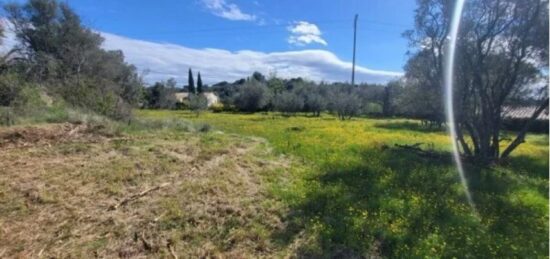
(291, 96)
(259, 93)
(58, 58)
(288, 96)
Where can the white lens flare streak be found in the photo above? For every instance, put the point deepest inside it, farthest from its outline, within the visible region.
(448, 81)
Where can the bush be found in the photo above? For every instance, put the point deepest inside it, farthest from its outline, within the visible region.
(28, 101)
(204, 128)
(7, 116)
(217, 108)
(10, 86)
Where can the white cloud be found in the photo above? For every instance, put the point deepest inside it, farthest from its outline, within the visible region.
(227, 10)
(303, 33)
(165, 60)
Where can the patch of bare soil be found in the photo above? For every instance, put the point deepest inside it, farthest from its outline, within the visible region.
(65, 193)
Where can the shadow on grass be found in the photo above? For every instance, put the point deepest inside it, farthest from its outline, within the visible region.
(409, 126)
(395, 204)
(528, 166)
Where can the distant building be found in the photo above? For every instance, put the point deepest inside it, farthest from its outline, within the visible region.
(211, 98)
(523, 112)
(515, 117)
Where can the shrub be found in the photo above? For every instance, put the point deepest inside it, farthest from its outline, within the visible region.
(205, 127)
(217, 108)
(10, 85)
(7, 116)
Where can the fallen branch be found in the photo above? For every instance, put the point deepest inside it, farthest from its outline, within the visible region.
(146, 243)
(416, 148)
(171, 249)
(137, 196)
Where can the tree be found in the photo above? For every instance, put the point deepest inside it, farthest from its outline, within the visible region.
(199, 84)
(275, 84)
(258, 77)
(499, 58)
(197, 103)
(191, 83)
(389, 98)
(162, 95)
(422, 96)
(57, 52)
(345, 104)
(252, 96)
(386, 106)
(288, 103)
(315, 103)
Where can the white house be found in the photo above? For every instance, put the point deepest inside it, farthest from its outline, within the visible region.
(211, 98)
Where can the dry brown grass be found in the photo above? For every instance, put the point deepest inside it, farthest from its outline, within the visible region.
(59, 185)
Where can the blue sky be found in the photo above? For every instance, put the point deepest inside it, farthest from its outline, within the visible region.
(288, 37)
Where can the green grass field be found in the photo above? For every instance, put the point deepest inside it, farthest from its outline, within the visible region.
(352, 193)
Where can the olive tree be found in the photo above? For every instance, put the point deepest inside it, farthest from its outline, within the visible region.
(502, 48)
(197, 103)
(252, 96)
(288, 103)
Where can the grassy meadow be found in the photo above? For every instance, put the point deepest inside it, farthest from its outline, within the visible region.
(260, 185)
(350, 192)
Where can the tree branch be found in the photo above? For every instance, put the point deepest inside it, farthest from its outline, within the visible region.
(520, 138)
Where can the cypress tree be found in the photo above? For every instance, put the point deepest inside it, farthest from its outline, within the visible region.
(191, 82)
(199, 84)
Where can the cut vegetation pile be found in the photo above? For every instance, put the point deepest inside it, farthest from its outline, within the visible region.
(50, 134)
(69, 190)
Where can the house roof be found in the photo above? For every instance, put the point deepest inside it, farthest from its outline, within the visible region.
(523, 112)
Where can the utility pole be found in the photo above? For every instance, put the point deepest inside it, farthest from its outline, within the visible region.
(354, 44)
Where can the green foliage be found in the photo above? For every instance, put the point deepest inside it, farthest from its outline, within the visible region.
(294, 95)
(217, 107)
(161, 95)
(66, 58)
(28, 100)
(288, 103)
(7, 116)
(345, 105)
(197, 103)
(498, 62)
(191, 83)
(315, 103)
(10, 86)
(200, 89)
(252, 96)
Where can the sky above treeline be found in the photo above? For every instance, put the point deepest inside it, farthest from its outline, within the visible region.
(229, 39)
